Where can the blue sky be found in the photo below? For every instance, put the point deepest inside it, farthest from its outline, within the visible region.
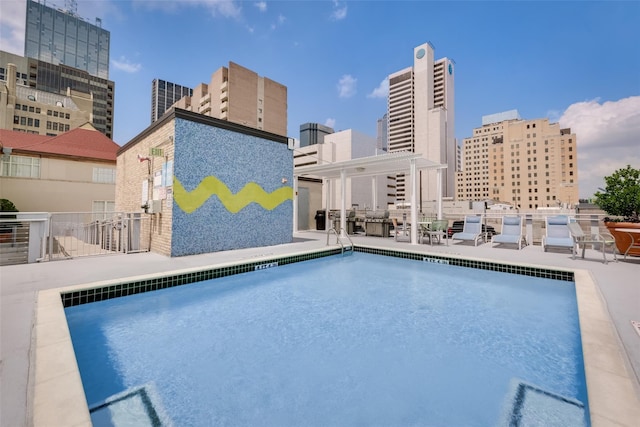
(573, 62)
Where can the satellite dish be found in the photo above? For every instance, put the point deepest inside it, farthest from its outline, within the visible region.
(59, 104)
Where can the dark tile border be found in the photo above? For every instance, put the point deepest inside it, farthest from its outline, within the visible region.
(73, 298)
(546, 273)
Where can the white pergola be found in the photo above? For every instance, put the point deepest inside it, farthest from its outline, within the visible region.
(385, 164)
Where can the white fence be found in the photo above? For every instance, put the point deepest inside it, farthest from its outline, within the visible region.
(34, 237)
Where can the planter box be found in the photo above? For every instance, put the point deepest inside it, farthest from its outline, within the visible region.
(623, 240)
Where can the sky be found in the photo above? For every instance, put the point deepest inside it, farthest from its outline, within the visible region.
(575, 62)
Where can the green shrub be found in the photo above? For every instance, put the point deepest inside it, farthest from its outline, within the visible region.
(621, 196)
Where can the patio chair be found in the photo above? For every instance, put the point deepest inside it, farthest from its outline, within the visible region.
(471, 230)
(603, 239)
(436, 230)
(511, 232)
(558, 234)
(403, 231)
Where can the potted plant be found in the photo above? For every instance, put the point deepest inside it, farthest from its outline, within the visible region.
(6, 228)
(621, 199)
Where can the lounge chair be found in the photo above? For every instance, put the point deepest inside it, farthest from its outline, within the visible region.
(603, 239)
(436, 230)
(511, 232)
(558, 234)
(471, 230)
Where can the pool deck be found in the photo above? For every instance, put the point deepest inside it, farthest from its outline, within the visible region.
(615, 296)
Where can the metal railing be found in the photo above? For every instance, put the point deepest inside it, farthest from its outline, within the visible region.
(78, 234)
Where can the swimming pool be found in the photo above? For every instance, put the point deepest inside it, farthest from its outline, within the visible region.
(361, 339)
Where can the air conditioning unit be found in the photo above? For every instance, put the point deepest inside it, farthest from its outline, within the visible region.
(155, 206)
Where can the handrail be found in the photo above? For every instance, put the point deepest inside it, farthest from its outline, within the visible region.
(338, 241)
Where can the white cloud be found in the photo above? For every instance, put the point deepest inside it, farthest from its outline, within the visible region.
(330, 122)
(382, 91)
(608, 138)
(261, 5)
(339, 11)
(123, 64)
(347, 86)
(12, 22)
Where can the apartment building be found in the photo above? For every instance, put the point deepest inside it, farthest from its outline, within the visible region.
(529, 164)
(71, 172)
(422, 119)
(59, 36)
(164, 94)
(65, 91)
(239, 95)
(25, 109)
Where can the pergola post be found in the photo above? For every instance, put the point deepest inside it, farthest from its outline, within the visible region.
(414, 197)
(439, 184)
(343, 202)
(295, 204)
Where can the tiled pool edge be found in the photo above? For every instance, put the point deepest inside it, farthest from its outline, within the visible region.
(58, 396)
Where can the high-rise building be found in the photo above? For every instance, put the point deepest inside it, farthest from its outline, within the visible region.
(313, 133)
(164, 94)
(526, 163)
(239, 95)
(421, 119)
(382, 133)
(59, 91)
(61, 37)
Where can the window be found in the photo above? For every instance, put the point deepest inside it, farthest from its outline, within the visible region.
(104, 175)
(102, 209)
(21, 167)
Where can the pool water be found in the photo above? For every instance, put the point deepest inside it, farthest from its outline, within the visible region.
(340, 341)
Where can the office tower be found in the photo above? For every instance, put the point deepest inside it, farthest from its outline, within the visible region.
(239, 95)
(421, 119)
(164, 94)
(61, 37)
(527, 163)
(65, 97)
(313, 133)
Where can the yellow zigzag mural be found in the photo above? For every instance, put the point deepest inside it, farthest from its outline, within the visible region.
(189, 201)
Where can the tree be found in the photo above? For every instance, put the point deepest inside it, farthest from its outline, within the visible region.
(621, 196)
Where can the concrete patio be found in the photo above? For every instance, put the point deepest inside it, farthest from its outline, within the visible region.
(617, 284)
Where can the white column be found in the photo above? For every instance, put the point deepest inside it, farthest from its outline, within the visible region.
(374, 193)
(327, 205)
(414, 202)
(343, 202)
(439, 184)
(295, 203)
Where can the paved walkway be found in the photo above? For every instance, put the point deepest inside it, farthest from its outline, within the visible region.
(619, 284)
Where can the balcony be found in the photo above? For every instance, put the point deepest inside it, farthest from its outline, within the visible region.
(224, 96)
(224, 86)
(224, 106)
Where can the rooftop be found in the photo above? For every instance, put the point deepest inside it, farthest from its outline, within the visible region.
(609, 338)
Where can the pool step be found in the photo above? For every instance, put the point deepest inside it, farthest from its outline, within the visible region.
(529, 405)
(137, 406)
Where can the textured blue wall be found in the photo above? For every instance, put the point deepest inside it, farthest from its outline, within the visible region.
(236, 159)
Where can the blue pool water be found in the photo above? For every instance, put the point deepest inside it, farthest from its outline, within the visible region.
(339, 341)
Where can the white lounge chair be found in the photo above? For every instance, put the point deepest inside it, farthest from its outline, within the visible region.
(471, 230)
(511, 232)
(558, 234)
(603, 239)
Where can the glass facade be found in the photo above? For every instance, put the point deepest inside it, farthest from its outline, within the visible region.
(164, 94)
(62, 38)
